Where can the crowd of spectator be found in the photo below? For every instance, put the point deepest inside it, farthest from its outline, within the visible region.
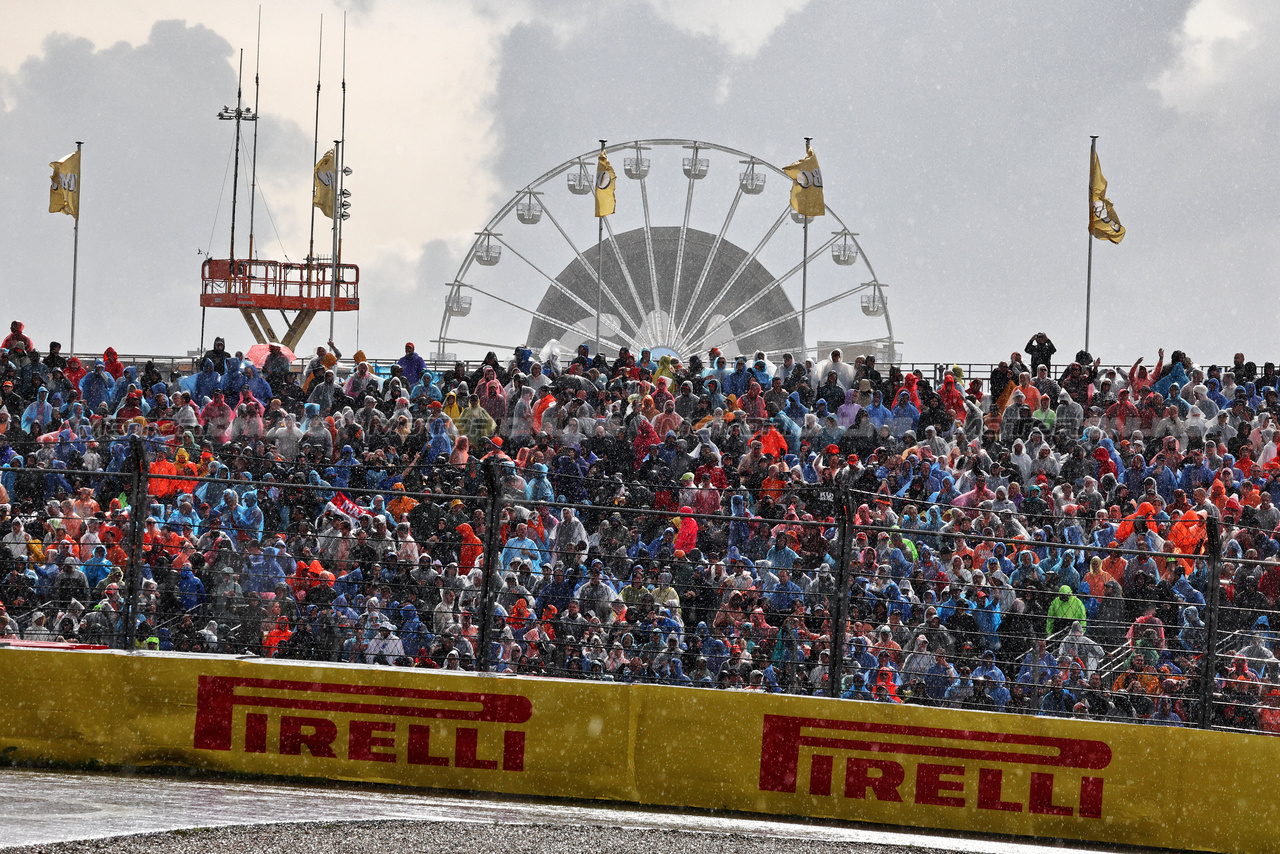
(1032, 540)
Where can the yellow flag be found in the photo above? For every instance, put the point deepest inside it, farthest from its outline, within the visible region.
(806, 184)
(326, 178)
(605, 180)
(1103, 222)
(64, 192)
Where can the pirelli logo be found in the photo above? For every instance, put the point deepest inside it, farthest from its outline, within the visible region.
(952, 768)
(368, 723)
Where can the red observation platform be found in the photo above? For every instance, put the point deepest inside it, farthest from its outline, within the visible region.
(257, 286)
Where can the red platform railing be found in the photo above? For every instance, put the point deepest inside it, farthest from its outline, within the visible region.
(278, 285)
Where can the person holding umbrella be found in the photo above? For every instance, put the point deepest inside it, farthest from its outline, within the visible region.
(274, 361)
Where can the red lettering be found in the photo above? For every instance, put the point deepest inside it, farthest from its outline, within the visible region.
(820, 774)
(362, 741)
(255, 733)
(319, 741)
(464, 750)
(990, 782)
(420, 747)
(857, 779)
(1091, 797)
(513, 750)
(1042, 796)
(930, 785)
(783, 737)
(218, 696)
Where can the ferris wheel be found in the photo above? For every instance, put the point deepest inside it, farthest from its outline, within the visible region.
(704, 251)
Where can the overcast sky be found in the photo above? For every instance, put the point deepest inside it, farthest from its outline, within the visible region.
(954, 139)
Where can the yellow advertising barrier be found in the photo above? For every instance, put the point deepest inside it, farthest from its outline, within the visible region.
(647, 744)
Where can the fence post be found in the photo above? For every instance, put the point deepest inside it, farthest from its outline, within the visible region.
(840, 619)
(1209, 660)
(137, 520)
(491, 564)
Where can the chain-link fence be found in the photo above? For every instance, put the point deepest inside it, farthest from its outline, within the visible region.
(684, 583)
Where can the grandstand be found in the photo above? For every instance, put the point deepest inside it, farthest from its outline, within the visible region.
(1059, 540)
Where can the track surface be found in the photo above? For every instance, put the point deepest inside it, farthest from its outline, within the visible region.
(38, 808)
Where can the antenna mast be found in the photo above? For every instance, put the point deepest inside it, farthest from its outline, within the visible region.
(342, 133)
(339, 200)
(235, 174)
(253, 182)
(315, 153)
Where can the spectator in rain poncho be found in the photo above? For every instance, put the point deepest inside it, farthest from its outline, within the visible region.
(216, 419)
(440, 444)
(205, 384)
(125, 384)
(538, 487)
(249, 517)
(1080, 647)
(256, 384)
(1191, 632)
(905, 416)
(247, 424)
(323, 393)
(411, 364)
(97, 387)
(38, 416)
(287, 436)
(357, 385)
(316, 433)
(845, 373)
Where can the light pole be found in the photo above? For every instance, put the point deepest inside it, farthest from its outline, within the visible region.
(340, 206)
(240, 114)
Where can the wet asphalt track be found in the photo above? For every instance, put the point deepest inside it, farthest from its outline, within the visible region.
(42, 807)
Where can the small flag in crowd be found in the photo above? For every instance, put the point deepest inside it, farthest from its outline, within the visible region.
(347, 507)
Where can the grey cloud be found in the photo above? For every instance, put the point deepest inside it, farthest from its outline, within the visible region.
(954, 138)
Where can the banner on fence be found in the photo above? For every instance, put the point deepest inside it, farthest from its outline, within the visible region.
(647, 744)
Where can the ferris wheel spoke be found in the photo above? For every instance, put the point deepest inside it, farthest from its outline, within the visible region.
(791, 315)
(490, 344)
(777, 283)
(684, 233)
(555, 283)
(653, 266)
(586, 265)
(626, 271)
(706, 267)
(764, 241)
(572, 327)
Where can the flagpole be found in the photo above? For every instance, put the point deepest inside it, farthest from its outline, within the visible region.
(804, 280)
(337, 217)
(1088, 282)
(75, 250)
(599, 280)
(599, 259)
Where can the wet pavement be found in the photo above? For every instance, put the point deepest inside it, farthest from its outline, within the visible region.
(39, 807)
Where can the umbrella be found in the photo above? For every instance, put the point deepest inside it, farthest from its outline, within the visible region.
(574, 382)
(258, 354)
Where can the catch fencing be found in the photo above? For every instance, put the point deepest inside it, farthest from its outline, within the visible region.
(726, 625)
